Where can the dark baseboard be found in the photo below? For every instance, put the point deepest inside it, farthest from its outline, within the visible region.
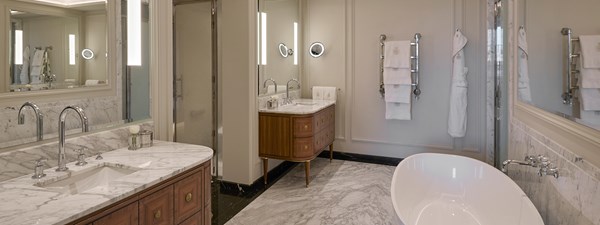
(381, 160)
(251, 191)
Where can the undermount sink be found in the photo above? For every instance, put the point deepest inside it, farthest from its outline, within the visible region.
(85, 180)
(305, 103)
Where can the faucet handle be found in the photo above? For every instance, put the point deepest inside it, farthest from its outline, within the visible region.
(40, 162)
(80, 157)
(38, 170)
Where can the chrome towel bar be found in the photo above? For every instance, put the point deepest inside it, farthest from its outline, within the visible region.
(415, 65)
(571, 70)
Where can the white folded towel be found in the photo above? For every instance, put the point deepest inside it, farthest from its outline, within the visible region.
(324, 93)
(397, 111)
(317, 93)
(590, 51)
(590, 99)
(91, 82)
(396, 54)
(589, 77)
(38, 58)
(329, 93)
(397, 93)
(397, 76)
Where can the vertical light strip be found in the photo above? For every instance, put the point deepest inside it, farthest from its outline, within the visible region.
(71, 49)
(258, 48)
(296, 43)
(19, 47)
(134, 33)
(263, 44)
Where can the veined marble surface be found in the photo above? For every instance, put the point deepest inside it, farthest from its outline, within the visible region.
(574, 197)
(300, 106)
(16, 163)
(340, 192)
(262, 100)
(101, 110)
(21, 202)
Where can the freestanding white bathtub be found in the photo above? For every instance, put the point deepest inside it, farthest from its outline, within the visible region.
(432, 189)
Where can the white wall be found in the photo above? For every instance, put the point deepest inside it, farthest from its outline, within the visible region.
(350, 31)
(239, 87)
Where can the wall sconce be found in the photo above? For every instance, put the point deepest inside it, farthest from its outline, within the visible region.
(134, 33)
(296, 42)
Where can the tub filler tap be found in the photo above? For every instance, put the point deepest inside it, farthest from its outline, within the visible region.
(540, 161)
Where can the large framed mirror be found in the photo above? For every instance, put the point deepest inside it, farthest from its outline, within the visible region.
(546, 40)
(278, 25)
(111, 92)
(552, 73)
(44, 45)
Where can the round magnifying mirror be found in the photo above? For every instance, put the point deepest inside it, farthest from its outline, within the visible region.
(87, 53)
(316, 49)
(283, 50)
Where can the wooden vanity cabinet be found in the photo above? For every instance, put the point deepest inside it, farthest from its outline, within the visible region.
(295, 137)
(183, 199)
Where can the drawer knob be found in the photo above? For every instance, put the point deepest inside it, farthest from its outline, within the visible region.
(157, 214)
(306, 147)
(188, 197)
(305, 126)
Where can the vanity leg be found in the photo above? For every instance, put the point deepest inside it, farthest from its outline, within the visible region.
(307, 170)
(265, 169)
(330, 152)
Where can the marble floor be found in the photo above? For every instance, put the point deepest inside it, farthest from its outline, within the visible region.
(340, 192)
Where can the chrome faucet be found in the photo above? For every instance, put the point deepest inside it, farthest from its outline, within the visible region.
(529, 161)
(274, 83)
(288, 100)
(38, 116)
(62, 164)
(546, 167)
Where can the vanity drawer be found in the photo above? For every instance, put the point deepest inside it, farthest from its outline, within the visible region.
(127, 215)
(157, 208)
(303, 147)
(303, 127)
(196, 219)
(188, 196)
(207, 183)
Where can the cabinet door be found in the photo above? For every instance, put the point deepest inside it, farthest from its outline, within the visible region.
(188, 196)
(157, 208)
(127, 215)
(196, 219)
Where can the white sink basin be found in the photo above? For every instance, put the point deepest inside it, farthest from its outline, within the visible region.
(88, 179)
(305, 103)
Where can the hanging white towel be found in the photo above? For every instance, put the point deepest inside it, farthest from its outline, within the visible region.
(589, 78)
(590, 51)
(92, 82)
(590, 99)
(396, 54)
(397, 111)
(24, 75)
(38, 58)
(271, 89)
(524, 89)
(397, 93)
(457, 116)
(397, 76)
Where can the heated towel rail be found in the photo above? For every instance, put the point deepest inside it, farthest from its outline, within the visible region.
(571, 71)
(414, 65)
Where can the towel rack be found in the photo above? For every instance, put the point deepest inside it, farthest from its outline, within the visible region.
(415, 65)
(571, 70)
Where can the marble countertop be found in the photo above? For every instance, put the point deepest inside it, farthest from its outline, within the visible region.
(301, 106)
(21, 202)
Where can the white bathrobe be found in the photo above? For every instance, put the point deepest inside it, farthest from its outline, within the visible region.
(457, 116)
(524, 90)
(24, 76)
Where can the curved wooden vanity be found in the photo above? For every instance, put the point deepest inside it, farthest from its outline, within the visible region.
(297, 133)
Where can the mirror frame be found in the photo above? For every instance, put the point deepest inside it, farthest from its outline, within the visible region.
(283, 50)
(315, 44)
(580, 139)
(113, 49)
